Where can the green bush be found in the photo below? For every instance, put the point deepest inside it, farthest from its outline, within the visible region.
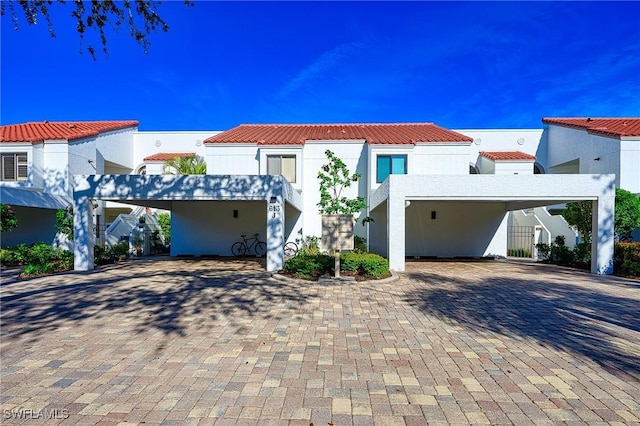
(313, 266)
(120, 250)
(367, 264)
(626, 259)
(558, 252)
(104, 255)
(308, 245)
(41, 258)
(310, 266)
(359, 244)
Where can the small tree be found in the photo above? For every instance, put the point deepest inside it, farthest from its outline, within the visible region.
(627, 217)
(164, 220)
(334, 178)
(64, 222)
(578, 214)
(8, 219)
(190, 165)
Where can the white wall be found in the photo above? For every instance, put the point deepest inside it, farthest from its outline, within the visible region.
(117, 147)
(354, 155)
(149, 143)
(56, 167)
(34, 225)
(459, 229)
(630, 165)
(514, 167)
(209, 228)
(529, 141)
(567, 144)
(232, 159)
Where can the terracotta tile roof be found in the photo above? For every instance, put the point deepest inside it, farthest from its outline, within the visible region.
(507, 155)
(297, 134)
(606, 126)
(67, 130)
(166, 156)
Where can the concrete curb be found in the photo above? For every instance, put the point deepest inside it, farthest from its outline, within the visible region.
(394, 277)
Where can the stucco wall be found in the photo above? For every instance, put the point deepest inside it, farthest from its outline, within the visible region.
(566, 144)
(117, 147)
(223, 159)
(529, 141)
(630, 165)
(149, 143)
(513, 168)
(209, 228)
(34, 225)
(354, 155)
(459, 229)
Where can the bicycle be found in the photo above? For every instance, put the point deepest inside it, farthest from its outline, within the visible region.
(247, 245)
(290, 249)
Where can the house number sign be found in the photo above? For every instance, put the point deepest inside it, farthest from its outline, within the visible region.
(275, 211)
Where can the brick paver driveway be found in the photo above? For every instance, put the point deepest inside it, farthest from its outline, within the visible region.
(203, 342)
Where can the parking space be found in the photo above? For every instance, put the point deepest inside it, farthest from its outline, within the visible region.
(178, 341)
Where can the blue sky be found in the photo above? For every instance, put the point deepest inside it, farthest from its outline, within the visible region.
(458, 64)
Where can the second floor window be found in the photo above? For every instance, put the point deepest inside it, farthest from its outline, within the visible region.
(14, 166)
(284, 165)
(390, 165)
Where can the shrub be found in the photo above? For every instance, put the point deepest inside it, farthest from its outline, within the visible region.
(310, 266)
(558, 252)
(41, 259)
(626, 259)
(359, 244)
(309, 246)
(120, 250)
(104, 255)
(367, 264)
(8, 219)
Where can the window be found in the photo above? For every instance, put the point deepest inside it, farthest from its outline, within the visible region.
(14, 166)
(284, 165)
(390, 165)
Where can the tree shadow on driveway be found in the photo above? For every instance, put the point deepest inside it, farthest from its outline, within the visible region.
(589, 316)
(170, 296)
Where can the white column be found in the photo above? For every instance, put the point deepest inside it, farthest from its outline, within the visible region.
(396, 232)
(83, 236)
(275, 232)
(602, 234)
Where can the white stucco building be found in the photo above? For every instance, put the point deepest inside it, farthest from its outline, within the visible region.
(431, 191)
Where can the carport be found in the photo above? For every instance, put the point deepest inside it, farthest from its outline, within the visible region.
(198, 201)
(472, 212)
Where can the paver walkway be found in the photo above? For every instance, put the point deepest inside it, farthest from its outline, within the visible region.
(204, 342)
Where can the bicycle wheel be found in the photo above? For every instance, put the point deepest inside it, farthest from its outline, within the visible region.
(239, 249)
(290, 249)
(260, 248)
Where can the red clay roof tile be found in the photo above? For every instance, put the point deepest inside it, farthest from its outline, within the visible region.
(607, 126)
(166, 156)
(507, 155)
(297, 134)
(60, 130)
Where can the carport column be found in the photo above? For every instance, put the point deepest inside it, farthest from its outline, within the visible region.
(275, 232)
(83, 236)
(396, 232)
(602, 234)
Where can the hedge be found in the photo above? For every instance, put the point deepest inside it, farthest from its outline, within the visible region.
(626, 259)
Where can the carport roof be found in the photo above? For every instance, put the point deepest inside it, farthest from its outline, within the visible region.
(372, 133)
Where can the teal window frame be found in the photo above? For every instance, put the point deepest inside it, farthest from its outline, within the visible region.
(390, 164)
